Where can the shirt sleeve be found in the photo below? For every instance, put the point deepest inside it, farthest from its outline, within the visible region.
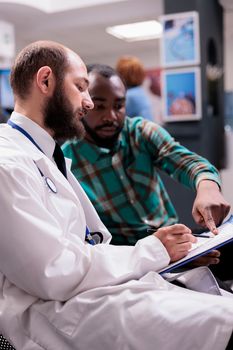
(47, 260)
(171, 157)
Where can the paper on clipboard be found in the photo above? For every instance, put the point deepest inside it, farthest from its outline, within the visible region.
(205, 245)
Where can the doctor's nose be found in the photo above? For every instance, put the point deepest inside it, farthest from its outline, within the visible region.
(87, 102)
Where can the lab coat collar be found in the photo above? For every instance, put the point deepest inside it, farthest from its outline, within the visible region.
(40, 136)
(68, 163)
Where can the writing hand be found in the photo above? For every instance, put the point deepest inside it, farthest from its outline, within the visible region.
(177, 239)
(211, 258)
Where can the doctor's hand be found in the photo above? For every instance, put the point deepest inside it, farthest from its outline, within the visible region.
(177, 239)
(209, 208)
(211, 258)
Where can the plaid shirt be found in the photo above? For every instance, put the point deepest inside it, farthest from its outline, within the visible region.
(123, 183)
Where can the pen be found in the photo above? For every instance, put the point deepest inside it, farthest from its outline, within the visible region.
(200, 235)
(151, 229)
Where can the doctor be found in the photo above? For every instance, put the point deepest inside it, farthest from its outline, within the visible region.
(58, 290)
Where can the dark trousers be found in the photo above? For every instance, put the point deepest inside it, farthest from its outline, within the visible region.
(224, 270)
(230, 343)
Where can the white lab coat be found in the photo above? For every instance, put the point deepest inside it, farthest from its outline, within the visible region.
(59, 293)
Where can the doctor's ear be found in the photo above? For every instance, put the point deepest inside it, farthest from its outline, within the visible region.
(44, 78)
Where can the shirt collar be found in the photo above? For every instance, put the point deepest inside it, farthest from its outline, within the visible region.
(41, 137)
(93, 152)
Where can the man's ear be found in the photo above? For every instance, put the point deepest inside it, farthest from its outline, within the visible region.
(45, 80)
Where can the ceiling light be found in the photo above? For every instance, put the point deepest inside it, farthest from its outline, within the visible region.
(137, 31)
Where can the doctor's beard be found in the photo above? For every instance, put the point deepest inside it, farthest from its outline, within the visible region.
(60, 117)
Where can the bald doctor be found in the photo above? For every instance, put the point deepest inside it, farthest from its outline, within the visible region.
(58, 289)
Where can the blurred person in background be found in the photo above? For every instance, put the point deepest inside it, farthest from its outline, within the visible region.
(133, 74)
(152, 86)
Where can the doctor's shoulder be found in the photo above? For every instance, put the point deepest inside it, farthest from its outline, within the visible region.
(14, 157)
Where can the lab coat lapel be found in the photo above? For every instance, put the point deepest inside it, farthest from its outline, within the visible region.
(44, 164)
(50, 170)
(68, 189)
(93, 220)
(68, 163)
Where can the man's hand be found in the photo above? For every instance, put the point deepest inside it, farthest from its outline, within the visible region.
(209, 208)
(177, 239)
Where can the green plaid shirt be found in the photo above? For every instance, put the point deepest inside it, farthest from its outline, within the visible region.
(123, 184)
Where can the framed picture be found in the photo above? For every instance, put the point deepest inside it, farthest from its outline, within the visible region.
(180, 44)
(181, 92)
(6, 94)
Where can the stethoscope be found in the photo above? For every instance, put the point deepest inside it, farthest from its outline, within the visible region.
(90, 237)
(49, 183)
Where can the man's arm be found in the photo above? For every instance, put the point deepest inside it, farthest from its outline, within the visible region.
(192, 170)
(177, 161)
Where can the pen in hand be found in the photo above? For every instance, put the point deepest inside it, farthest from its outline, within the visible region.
(200, 232)
(154, 229)
(200, 235)
(151, 230)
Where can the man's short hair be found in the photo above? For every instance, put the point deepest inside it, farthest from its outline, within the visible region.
(102, 69)
(31, 59)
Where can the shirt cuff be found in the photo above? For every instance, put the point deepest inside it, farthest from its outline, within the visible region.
(209, 177)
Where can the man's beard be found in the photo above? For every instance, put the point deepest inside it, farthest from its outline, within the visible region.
(106, 142)
(60, 117)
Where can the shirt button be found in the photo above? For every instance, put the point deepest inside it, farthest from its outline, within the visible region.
(131, 201)
(122, 177)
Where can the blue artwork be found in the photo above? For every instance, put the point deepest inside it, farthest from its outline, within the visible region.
(181, 94)
(6, 95)
(180, 40)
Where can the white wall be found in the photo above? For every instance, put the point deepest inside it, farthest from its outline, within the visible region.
(150, 57)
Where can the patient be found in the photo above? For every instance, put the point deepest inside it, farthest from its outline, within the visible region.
(117, 161)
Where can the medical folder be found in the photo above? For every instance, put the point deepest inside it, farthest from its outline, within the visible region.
(205, 245)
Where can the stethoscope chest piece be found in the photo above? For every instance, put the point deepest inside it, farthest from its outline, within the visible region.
(50, 184)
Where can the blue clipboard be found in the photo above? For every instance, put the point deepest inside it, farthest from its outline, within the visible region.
(224, 237)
